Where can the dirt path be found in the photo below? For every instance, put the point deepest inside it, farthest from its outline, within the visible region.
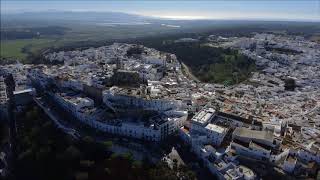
(186, 71)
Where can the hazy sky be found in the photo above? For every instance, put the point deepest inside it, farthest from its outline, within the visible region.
(211, 9)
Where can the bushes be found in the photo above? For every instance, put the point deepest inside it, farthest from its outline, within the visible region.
(289, 84)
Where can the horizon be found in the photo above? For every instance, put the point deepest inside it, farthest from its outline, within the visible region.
(181, 10)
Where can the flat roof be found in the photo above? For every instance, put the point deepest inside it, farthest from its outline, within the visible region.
(216, 128)
(245, 170)
(253, 134)
(203, 116)
(210, 148)
(259, 146)
(23, 91)
(235, 117)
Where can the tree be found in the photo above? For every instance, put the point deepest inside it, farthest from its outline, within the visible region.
(289, 84)
(72, 152)
(107, 144)
(88, 140)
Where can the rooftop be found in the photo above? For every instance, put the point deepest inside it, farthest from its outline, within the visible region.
(204, 116)
(246, 171)
(253, 134)
(216, 128)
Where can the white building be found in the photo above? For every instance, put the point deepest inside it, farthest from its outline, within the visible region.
(124, 101)
(310, 154)
(201, 125)
(252, 143)
(3, 92)
(39, 78)
(72, 84)
(73, 103)
(247, 135)
(154, 60)
(251, 150)
(201, 119)
(158, 129)
(215, 133)
(289, 164)
(152, 132)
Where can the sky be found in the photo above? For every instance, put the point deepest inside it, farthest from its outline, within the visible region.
(302, 10)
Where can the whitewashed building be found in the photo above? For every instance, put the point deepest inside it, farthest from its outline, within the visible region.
(156, 130)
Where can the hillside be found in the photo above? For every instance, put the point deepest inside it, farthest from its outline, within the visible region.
(208, 64)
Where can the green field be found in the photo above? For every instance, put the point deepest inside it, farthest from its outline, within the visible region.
(21, 48)
(13, 49)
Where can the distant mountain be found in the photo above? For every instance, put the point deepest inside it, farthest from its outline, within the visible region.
(88, 17)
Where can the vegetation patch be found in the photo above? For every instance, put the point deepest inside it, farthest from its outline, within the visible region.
(29, 33)
(211, 64)
(45, 152)
(20, 49)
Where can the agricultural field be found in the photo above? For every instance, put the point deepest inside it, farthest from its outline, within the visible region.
(23, 36)
(21, 48)
(315, 38)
